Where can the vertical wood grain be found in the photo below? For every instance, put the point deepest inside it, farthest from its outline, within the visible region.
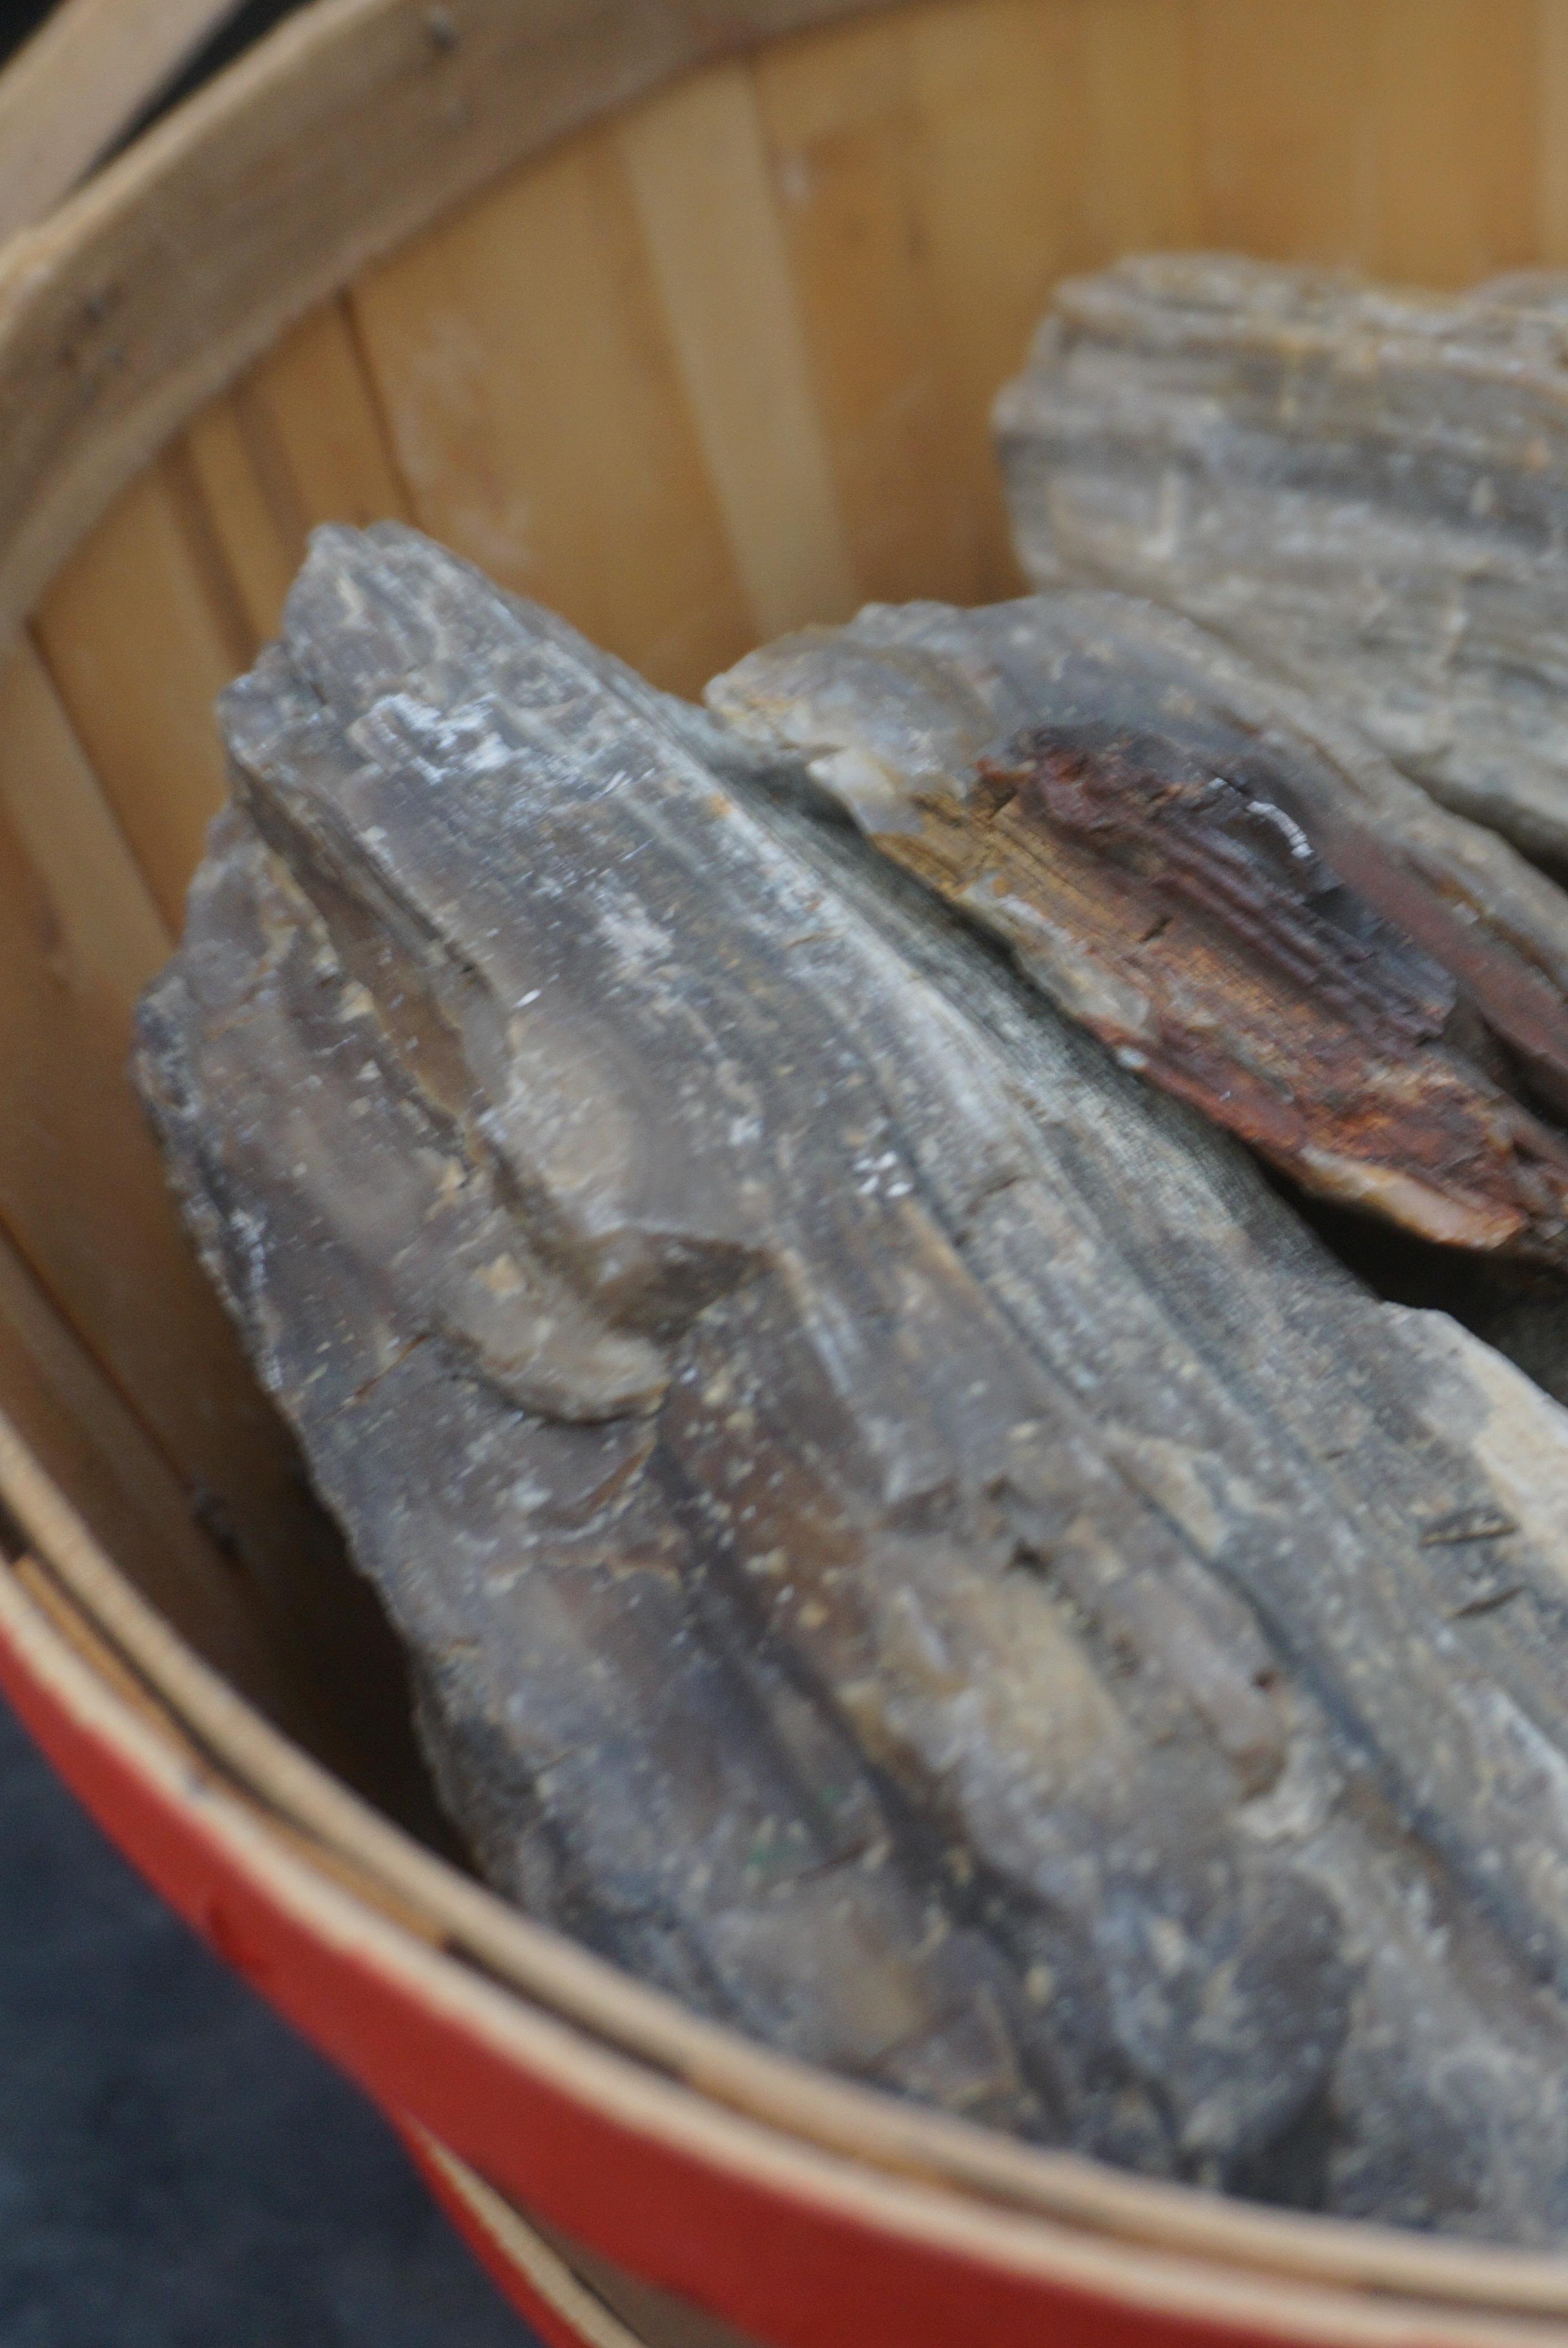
(838, 115)
(1548, 125)
(82, 1191)
(1001, 149)
(298, 441)
(141, 630)
(107, 927)
(698, 170)
(79, 1430)
(310, 403)
(1286, 127)
(1453, 129)
(1399, 136)
(1143, 176)
(539, 420)
(261, 535)
(936, 172)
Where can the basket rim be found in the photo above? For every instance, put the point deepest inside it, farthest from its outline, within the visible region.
(115, 326)
(149, 1681)
(485, 1937)
(105, 351)
(76, 1690)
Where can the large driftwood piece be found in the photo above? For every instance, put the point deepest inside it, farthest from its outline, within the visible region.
(906, 1541)
(1367, 489)
(1237, 894)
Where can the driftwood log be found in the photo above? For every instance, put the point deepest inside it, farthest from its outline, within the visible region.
(1366, 489)
(905, 1540)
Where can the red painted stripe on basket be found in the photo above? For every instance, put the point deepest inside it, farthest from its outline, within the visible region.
(792, 2272)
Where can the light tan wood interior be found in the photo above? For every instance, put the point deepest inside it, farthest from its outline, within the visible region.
(708, 367)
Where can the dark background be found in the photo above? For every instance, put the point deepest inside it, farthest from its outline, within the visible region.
(177, 2169)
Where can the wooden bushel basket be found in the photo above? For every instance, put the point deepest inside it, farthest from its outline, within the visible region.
(684, 316)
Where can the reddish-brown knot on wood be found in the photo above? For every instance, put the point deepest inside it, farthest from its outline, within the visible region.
(1236, 951)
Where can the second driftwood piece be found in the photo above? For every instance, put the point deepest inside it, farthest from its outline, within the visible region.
(904, 1542)
(1238, 896)
(1365, 488)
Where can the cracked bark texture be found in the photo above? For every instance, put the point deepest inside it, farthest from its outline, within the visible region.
(1236, 893)
(906, 1542)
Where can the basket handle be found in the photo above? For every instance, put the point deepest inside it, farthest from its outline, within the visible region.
(86, 74)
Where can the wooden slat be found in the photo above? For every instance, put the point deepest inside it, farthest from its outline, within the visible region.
(838, 114)
(1548, 123)
(1396, 135)
(1079, 122)
(74, 896)
(1452, 121)
(85, 1640)
(539, 421)
(77, 1430)
(1286, 128)
(1001, 148)
(299, 440)
(355, 124)
(312, 399)
(82, 1193)
(1143, 177)
(653, 2318)
(48, 1575)
(110, 927)
(141, 631)
(260, 533)
(699, 173)
(601, 2305)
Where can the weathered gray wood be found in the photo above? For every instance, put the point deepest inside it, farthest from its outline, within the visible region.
(907, 1542)
(1236, 893)
(622, 1763)
(1368, 489)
